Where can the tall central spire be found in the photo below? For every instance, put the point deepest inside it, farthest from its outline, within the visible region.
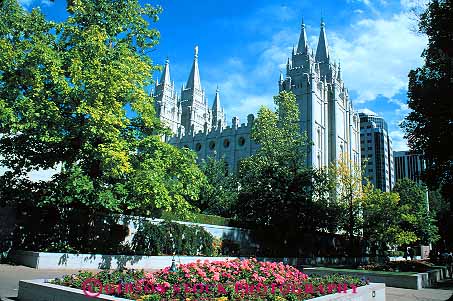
(302, 46)
(322, 52)
(165, 78)
(194, 81)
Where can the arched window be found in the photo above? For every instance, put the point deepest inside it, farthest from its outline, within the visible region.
(226, 143)
(211, 145)
(198, 147)
(241, 141)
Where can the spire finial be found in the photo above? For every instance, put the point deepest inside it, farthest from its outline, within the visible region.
(302, 46)
(194, 81)
(322, 22)
(167, 61)
(218, 89)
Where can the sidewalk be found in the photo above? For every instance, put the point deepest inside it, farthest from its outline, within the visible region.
(10, 276)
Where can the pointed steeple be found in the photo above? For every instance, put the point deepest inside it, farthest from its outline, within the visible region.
(281, 77)
(194, 78)
(165, 77)
(339, 71)
(322, 51)
(302, 46)
(218, 117)
(216, 105)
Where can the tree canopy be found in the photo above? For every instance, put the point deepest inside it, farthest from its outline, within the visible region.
(279, 195)
(429, 126)
(73, 97)
(416, 217)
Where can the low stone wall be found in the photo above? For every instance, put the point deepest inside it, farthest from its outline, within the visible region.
(392, 279)
(45, 260)
(242, 236)
(48, 260)
(32, 290)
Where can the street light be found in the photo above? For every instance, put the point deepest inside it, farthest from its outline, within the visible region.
(173, 267)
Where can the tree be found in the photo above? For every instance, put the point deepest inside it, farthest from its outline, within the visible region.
(220, 194)
(73, 94)
(278, 194)
(429, 126)
(346, 191)
(382, 216)
(416, 218)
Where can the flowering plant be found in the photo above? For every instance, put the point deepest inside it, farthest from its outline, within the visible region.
(220, 280)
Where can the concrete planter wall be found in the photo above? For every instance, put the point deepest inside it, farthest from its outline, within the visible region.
(32, 290)
(403, 280)
(44, 260)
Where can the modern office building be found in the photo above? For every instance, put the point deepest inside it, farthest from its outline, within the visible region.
(409, 165)
(376, 151)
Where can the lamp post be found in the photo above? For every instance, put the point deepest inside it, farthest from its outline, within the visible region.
(173, 267)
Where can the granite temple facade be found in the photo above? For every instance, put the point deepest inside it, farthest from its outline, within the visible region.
(326, 112)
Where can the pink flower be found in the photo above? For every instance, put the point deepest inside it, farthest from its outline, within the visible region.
(216, 277)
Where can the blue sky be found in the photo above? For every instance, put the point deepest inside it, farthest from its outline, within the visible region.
(244, 44)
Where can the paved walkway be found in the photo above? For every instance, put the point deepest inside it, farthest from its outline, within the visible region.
(10, 276)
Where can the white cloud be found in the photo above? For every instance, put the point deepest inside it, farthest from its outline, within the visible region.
(28, 3)
(378, 55)
(367, 111)
(398, 141)
(25, 3)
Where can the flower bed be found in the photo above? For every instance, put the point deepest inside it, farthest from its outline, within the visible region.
(216, 280)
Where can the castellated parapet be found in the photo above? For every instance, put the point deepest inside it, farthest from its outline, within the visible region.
(231, 143)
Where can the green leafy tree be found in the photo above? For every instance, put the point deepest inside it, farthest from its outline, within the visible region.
(66, 90)
(415, 215)
(429, 126)
(382, 217)
(220, 194)
(346, 191)
(278, 194)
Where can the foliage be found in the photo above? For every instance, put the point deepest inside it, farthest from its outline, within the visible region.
(198, 218)
(278, 193)
(382, 216)
(415, 215)
(173, 238)
(78, 231)
(429, 126)
(220, 194)
(346, 191)
(73, 98)
(226, 280)
(68, 231)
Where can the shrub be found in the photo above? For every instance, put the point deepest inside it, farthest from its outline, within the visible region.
(170, 237)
